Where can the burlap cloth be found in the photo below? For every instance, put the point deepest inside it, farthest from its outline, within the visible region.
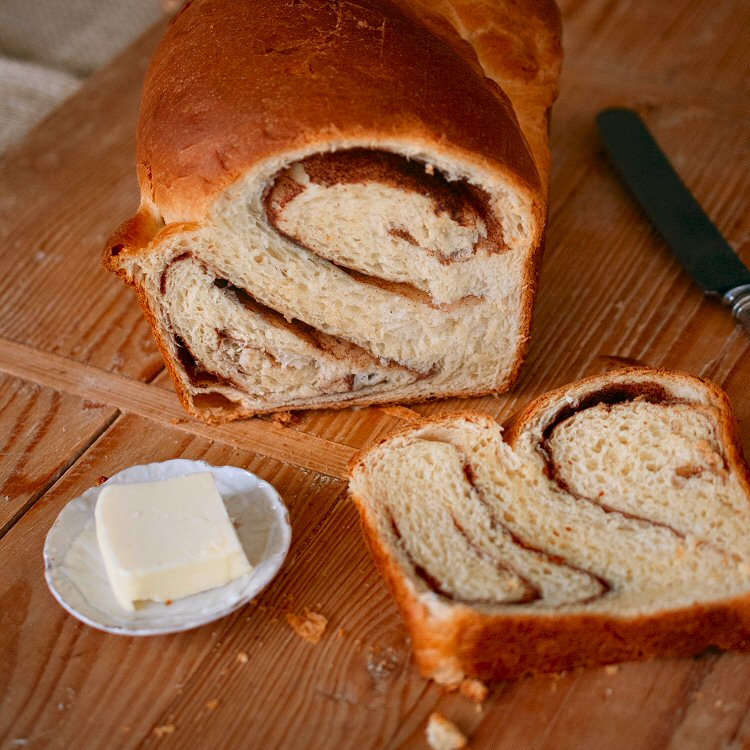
(47, 48)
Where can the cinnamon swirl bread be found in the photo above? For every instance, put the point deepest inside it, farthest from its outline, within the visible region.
(610, 522)
(342, 203)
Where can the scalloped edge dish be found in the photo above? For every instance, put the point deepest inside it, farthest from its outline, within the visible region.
(74, 569)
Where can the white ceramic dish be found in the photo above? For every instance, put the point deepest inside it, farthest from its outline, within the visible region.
(75, 572)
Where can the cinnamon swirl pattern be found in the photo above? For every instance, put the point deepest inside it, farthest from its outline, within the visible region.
(620, 501)
(362, 276)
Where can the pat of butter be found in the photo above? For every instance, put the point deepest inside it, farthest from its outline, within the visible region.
(166, 540)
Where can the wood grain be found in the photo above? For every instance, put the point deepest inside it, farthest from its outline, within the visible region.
(42, 432)
(700, 42)
(62, 190)
(128, 395)
(83, 393)
(148, 683)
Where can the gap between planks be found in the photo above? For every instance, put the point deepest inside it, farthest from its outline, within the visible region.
(265, 438)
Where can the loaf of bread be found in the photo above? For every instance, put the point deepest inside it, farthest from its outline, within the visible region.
(342, 203)
(611, 521)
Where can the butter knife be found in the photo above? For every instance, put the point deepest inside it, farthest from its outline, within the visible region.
(691, 235)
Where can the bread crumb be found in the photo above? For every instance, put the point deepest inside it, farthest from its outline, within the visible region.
(164, 730)
(382, 663)
(309, 625)
(285, 418)
(341, 633)
(242, 657)
(401, 412)
(718, 703)
(474, 690)
(443, 734)
(611, 669)
(212, 703)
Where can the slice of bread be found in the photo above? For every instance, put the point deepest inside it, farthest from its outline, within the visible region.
(610, 522)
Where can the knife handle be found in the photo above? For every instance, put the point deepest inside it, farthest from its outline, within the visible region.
(738, 299)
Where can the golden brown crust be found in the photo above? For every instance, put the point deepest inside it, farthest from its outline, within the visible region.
(205, 120)
(430, 641)
(508, 647)
(492, 647)
(169, 360)
(132, 235)
(519, 46)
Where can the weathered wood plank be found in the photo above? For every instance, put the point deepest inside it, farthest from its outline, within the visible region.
(698, 42)
(49, 660)
(62, 190)
(42, 432)
(54, 670)
(162, 406)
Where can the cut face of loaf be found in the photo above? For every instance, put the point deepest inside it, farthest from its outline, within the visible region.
(612, 523)
(358, 219)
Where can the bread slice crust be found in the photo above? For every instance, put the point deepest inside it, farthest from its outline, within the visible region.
(453, 638)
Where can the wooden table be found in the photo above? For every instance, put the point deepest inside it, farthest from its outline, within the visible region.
(84, 394)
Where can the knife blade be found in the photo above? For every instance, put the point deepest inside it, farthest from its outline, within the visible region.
(679, 218)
